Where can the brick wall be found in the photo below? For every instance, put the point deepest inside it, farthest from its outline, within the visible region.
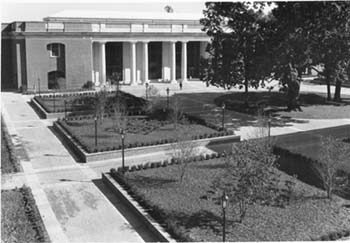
(78, 61)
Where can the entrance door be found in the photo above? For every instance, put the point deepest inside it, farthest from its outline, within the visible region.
(114, 61)
(193, 57)
(155, 60)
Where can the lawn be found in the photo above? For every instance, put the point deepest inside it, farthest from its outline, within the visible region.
(193, 207)
(314, 105)
(85, 103)
(20, 219)
(9, 163)
(139, 132)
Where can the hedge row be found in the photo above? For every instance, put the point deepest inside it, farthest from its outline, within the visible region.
(33, 215)
(335, 235)
(93, 149)
(50, 91)
(172, 161)
(203, 122)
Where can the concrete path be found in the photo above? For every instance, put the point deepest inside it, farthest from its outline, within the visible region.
(72, 207)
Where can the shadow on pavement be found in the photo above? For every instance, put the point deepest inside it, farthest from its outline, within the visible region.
(128, 214)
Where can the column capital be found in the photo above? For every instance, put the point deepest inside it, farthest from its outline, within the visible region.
(173, 41)
(132, 41)
(184, 41)
(145, 41)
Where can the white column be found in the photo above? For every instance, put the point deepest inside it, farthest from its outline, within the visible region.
(133, 62)
(184, 61)
(103, 62)
(173, 61)
(145, 62)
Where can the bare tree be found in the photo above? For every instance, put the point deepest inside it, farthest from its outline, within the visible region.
(176, 113)
(101, 98)
(183, 149)
(333, 158)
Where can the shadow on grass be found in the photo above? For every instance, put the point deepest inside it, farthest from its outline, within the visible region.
(150, 181)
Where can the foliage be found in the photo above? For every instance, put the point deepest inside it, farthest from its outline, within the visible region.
(335, 155)
(20, 218)
(9, 161)
(88, 85)
(238, 52)
(312, 33)
(249, 176)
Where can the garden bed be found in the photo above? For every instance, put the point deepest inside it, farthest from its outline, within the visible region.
(190, 210)
(110, 146)
(20, 218)
(83, 103)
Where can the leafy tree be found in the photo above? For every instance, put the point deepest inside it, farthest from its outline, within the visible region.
(311, 33)
(238, 51)
(334, 156)
(249, 177)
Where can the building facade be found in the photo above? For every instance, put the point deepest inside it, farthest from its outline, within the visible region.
(69, 49)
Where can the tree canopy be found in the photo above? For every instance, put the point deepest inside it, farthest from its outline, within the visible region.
(248, 46)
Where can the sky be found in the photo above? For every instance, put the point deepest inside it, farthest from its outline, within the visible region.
(36, 10)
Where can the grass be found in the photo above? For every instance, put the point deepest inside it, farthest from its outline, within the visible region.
(9, 163)
(314, 105)
(194, 209)
(139, 131)
(20, 219)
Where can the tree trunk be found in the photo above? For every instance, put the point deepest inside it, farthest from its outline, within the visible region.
(327, 74)
(337, 90)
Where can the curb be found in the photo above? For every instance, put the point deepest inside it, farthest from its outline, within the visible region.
(115, 154)
(144, 217)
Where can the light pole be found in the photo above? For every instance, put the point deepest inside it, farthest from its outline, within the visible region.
(224, 200)
(39, 86)
(95, 118)
(269, 127)
(223, 115)
(122, 134)
(65, 109)
(167, 99)
(54, 101)
(146, 91)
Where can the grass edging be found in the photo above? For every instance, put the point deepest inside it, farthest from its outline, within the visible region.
(113, 154)
(43, 112)
(143, 216)
(10, 147)
(34, 216)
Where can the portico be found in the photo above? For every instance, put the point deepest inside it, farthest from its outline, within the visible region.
(138, 62)
(75, 49)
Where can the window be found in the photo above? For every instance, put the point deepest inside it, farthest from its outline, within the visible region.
(55, 50)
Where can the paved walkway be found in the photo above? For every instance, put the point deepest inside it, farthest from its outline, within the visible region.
(72, 207)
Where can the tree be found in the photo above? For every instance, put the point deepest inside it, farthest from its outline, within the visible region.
(101, 99)
(335, 155)
(312, 33)
(249, 175)
(238, 54)
(183, 149)
(168, 9)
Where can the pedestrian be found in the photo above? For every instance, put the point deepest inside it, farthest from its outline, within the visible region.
(180, 84)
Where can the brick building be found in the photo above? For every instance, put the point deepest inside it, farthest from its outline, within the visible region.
(70, 48)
